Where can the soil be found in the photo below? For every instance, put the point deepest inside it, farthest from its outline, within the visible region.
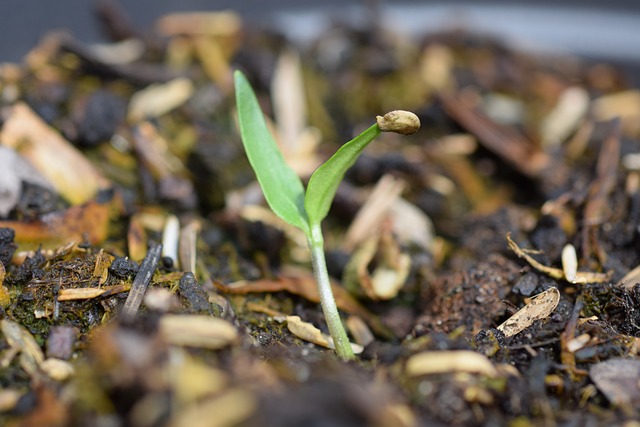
(146, 283)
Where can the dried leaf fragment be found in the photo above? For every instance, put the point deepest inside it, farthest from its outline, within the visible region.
(74, 294)
(540, 307)
(56, 369)
(442, 362)
(306, 331)
(79, 293)
(197, 331)
(391, 270)
(359, 331)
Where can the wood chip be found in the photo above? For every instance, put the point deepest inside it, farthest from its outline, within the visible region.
(66, 168)
(578, 342)
(158, 99)
(297, 142)
(141, 281)
(187, 249)
(197, 331)
(359, 331)
(289, 104)
(570, 110)
(625, 105)
(436, 67)
(74, 294)
(443, 362)
(79, 293)
(378, 267)
(58, 370)
(119, 53)
(540, 307)
(195, 380)
(230, 409)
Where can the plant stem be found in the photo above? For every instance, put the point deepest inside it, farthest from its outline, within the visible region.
(328, 302)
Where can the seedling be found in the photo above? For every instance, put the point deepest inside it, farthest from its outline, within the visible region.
(285, 192)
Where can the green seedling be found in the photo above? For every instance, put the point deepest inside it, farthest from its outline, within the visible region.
(286, 195)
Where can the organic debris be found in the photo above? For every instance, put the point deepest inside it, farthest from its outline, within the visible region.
(144, 282)
(540, 307)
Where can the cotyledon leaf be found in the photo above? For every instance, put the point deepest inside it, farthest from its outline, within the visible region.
(324, 182)
(282, 188)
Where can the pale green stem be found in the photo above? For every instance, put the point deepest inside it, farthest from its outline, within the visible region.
(328, 302)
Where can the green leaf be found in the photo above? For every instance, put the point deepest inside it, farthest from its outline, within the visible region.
(324, 182)
(282, 188)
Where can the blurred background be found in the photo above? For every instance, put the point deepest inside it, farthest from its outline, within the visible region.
(606, 30)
